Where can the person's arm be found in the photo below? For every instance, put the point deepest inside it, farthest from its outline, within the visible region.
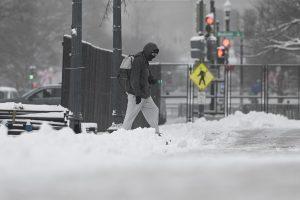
(151, 79)
(135, 76)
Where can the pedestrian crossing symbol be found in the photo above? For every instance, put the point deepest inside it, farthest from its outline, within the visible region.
(201, 76)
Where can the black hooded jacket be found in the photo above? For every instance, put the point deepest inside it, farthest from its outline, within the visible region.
(139, 75)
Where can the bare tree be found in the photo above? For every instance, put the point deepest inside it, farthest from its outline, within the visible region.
(30, 32)
(275, 31)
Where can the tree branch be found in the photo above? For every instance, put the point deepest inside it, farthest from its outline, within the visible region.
(108, 10)
(284, 27)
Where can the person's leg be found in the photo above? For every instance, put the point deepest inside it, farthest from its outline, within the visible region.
(132, 111)
(151, 112)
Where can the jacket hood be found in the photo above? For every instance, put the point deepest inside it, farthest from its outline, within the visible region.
(148, 49)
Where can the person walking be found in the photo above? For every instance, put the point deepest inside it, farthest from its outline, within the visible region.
(138, 90)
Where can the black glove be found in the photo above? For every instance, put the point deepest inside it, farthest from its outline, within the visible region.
(152, 80)
(138, 99)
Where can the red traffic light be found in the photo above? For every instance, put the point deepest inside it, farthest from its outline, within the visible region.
(221, 52)
(226, 42)
(209, 19)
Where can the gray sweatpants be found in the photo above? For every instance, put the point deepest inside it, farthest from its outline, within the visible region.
(148, 108)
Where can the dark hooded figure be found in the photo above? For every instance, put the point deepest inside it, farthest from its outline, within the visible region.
(138, 92)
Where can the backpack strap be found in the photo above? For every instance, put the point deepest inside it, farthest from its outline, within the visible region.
(131, 56)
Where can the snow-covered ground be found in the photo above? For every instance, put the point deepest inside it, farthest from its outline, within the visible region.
(253, 156)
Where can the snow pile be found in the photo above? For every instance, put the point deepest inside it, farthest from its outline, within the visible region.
(257, 120)
(51, 150)
(31, 107)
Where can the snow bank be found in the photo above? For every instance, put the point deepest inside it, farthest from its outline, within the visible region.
(63, 150)
(31, 107)
(257, 120)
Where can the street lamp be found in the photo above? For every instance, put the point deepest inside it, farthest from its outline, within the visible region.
(227, 9)
(226, 42)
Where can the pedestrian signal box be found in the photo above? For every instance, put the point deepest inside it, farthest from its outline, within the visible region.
(198, 47)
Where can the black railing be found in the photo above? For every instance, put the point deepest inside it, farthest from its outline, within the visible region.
(267, 88)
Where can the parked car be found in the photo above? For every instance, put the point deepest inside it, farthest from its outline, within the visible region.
(8, 93)
(49, 95)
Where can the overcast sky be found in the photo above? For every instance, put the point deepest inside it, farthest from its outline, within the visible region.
(238, 4)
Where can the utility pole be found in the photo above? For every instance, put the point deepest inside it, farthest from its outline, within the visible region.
(227, 10)
(116, 61)
(76, 65)
(200, 17)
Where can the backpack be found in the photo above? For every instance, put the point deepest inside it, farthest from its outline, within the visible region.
(124, 72)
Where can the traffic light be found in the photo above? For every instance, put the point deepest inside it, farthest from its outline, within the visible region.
(34, 85)
(211, 48)
(221, 54)
(226, 43)
(31, 74)
(209, 20)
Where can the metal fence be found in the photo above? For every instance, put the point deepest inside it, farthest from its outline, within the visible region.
(268, 88)
(175, 92)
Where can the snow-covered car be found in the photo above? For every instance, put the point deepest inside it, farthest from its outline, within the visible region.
(49, 95)
(8, 93)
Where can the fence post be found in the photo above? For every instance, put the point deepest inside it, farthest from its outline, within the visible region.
(262, 85)
(241, 84)
(187, 93)
(298, 114)
(265, 69)
(225, 92)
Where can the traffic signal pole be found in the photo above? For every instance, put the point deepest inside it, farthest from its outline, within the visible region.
(227, 9)
(242, 69)
(200, 17)
(76, 65)
(212, 87)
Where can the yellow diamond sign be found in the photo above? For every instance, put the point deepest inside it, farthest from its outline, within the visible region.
(201, 76)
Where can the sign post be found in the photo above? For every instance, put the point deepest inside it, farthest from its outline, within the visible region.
(201, 77)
